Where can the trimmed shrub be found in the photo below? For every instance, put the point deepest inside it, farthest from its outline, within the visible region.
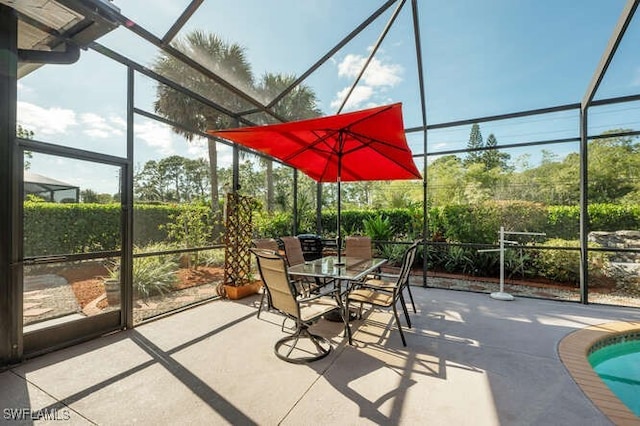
(480, 223)
(272, 226)
(564, 265)
(51, 228)
(564, 221)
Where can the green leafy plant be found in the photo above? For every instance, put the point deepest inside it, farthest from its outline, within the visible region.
(436, 257)
(393, 252)
(152, 275)
(378, 228)
(518, 262)
(214, 257)
(563, 265)
(458, 260)
(192, 227)
(486, 264)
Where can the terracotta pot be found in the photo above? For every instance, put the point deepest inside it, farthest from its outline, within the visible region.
(238, 292)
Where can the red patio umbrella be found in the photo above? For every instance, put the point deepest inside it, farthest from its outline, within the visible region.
(356, 146)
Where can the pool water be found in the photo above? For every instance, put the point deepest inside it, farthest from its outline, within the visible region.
(618, 365)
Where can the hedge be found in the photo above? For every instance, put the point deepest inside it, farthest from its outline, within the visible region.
(77, 228)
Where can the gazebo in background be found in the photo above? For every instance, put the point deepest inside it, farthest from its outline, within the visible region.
(51, 190)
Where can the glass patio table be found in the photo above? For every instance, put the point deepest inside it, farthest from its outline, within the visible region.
(351, 269)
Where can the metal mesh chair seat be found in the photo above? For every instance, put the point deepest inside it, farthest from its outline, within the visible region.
(316, 308)
(386, 285)
(365, 295)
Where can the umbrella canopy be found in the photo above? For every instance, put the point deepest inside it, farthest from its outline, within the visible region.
(356, 146)
(367, 145)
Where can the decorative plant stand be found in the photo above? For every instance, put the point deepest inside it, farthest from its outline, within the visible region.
(237, 257)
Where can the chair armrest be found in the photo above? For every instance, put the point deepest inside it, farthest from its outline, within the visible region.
(387, 275)
(320, 294)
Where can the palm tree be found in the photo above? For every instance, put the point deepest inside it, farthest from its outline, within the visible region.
(298, 104)
(224, 59)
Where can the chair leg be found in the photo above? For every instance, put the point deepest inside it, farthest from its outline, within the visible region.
(411, 297)
(303, 332)
(395, 314)
(346, 314)
(264, 292)
(404, 309)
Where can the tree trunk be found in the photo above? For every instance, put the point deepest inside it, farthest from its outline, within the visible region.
(269, 176)
(213, 179)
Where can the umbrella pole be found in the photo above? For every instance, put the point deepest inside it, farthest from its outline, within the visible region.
(339, 233)
(339, 237)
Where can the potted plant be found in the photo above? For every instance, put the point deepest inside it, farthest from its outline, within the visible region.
(235, 292)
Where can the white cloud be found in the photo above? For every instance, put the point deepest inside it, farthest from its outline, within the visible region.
(198, 148)
(118, 121)
(377, 73)
(378, 77)
(99, 127)
(155, 136)
(360, 95)
(45, 121)
(225, 156)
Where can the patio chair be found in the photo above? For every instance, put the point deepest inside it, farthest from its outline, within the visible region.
(295, 256)
(386, 282)
(360, 247)
(286, 299)
(267, 244)
(391, 294)
(292, 250)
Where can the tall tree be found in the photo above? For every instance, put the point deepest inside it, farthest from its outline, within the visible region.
(493, 158)
(446, 180)
(172, 171)
(197, 177)
(174, 178)
(475, 142)
(148, 183)
(298, 104)
(225, 59)
(614, 166)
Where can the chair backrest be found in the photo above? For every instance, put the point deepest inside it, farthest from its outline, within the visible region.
(405, 269)
(273, 271)
(266, 243)
(293, 250)
(359, 247)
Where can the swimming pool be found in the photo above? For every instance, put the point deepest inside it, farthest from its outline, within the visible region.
(618, 365)
(574, 350)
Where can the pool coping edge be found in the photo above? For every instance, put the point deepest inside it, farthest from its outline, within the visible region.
(573, 350)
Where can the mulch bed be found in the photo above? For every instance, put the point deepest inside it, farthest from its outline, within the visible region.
(87, 280)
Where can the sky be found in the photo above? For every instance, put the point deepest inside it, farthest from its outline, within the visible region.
(480, 58)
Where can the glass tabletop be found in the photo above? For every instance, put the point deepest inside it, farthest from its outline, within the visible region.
(353, 268)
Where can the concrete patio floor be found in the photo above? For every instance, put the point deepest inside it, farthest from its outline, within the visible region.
(470, 360)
